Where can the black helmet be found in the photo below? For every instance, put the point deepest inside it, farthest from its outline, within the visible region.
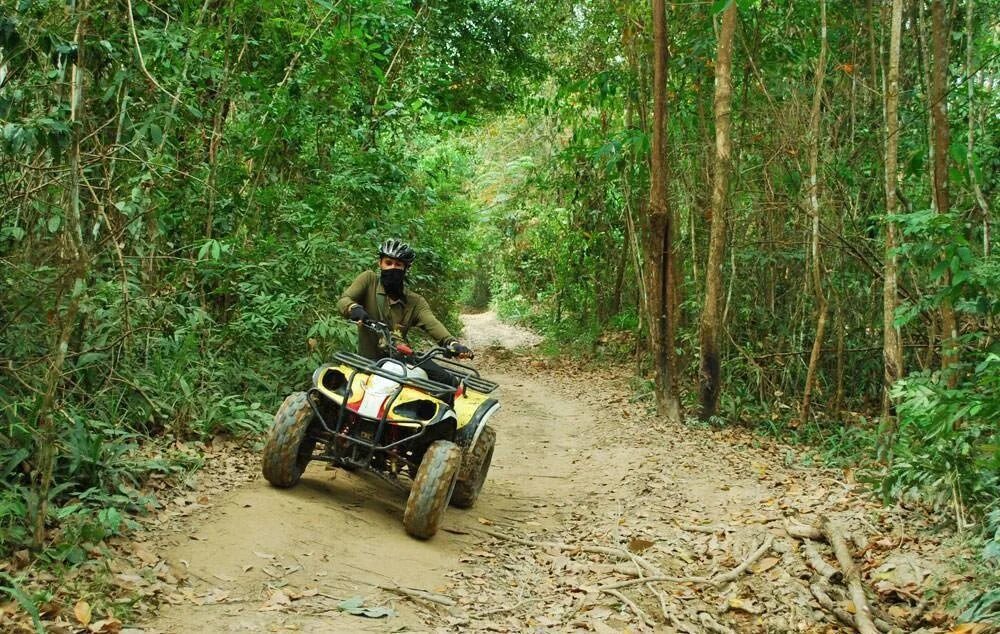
(398, 250)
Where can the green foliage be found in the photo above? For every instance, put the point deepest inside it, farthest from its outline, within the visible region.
(947, 446)
(172, 245)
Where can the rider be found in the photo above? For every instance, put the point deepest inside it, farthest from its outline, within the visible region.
(382, 296)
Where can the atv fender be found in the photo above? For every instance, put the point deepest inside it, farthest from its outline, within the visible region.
(469, 433)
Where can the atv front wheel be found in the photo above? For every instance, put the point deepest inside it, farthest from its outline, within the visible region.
(432, 489)
(287, 452)
(475, 466)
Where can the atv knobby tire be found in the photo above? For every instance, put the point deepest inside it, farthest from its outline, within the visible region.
(475, 466)
(432, 488)
(287, 453)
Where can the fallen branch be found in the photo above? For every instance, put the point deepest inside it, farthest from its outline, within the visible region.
(714, 581)
(618, 553)
(423, 595)
(862, 613)
(632, 606)
(739, 570)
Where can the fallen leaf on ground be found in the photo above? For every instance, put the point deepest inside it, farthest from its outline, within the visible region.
(82, 613)
(109, 625)
(637, 545)
(765, 564)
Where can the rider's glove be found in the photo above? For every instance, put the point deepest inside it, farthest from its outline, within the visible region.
(358, 313)
(459, 350)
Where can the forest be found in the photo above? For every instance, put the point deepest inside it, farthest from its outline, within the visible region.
(770, 216)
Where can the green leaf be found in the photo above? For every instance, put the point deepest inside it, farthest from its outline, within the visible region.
(87, 358)
(53, 224)
(357, 607)
(25, 601)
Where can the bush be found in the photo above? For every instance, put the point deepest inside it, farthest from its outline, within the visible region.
(946, 446)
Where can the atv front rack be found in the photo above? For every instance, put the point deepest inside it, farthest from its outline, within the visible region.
(364, 364)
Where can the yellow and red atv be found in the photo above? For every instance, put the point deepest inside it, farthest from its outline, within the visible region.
(388, 418)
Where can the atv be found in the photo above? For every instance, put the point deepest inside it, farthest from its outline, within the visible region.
(386, 417)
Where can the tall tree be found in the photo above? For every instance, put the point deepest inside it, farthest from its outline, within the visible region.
(711, 325)
(892, 351)
(970, 85)
(661, 277)
(817, 266)
(940, 146)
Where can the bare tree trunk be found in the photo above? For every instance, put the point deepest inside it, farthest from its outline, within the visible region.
(661, 277)
(74, 287)
(892, 351)
(838, 324)
(817, 268)
(940, 36)
(711, 326)
(984, 208)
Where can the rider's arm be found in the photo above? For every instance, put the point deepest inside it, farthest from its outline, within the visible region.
(356, 293)
(424, 317)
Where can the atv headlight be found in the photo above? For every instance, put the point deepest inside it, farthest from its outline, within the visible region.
(334, 380)
(416, 410)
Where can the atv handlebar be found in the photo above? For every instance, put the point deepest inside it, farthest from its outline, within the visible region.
(397, 345)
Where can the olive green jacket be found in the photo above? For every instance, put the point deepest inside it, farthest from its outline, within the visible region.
(367, 291)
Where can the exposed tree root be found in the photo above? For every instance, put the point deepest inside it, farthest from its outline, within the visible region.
(817, 563)
(822, 596)
(862, 619)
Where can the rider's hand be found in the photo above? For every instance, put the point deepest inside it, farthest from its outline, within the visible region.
(358, 313)
(459, 350)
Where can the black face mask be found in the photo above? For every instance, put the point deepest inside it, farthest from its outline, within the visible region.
(392, 282)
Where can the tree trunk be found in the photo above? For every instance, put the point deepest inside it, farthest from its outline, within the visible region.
(74, 287)
(817, 269)
(661, 277)
(892, 351)
(984, 208)
(711, 326)
(938, 95)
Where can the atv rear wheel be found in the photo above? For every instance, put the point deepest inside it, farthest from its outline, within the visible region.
(475, 466)
(287, 451)
(432, 488)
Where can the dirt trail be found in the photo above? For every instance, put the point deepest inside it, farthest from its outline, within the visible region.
(341, 533)
(579, 462)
